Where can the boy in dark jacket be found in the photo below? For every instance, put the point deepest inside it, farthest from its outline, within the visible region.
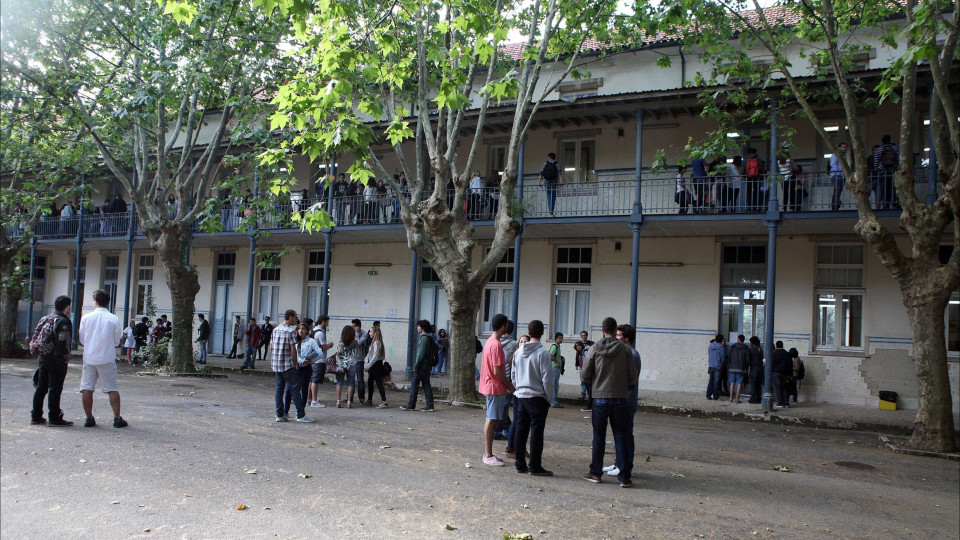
(739, 362)
(756, 370)
(782, 370)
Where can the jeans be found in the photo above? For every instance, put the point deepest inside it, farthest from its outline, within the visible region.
(52, 375)
(838, 181)
(249, 356)
(512, 432)
(713, 383)
(503, 425)
(632, 405)
(780, 388)
(443, 358)
(551, 188)
(617, 412)
(304, 373)
(395, 204)
(233, 351)
(556, 387)
(531, 418)
(203, 352)
(585, 390)
(756, 384)
(291, 378)
(360, 383)
(420, 378)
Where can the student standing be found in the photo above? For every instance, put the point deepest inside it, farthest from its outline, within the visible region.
(374, 366)
(237, 336)
(532, 375)
(130, 342)
(99, 334)
(494, 385)
(421, 369)
(54, 357)
(557, 369)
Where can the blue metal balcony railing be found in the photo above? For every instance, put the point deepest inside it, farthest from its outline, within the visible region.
(612, 194)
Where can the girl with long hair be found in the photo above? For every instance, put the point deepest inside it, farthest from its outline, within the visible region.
(374, 365)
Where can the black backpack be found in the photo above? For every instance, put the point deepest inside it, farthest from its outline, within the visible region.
(550, 171)
(888, 157)
(433, 352)
(802, 372)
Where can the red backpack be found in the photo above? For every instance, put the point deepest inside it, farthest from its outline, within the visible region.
(42, 342)
(753, 167)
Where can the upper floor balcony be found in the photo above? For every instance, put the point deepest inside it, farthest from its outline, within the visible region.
(610, 198)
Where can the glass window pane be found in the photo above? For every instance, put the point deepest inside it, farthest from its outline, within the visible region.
(758, 255)
(823, 254)
(729, 254)
(585, 276)
(561, 312)
(581, 319)
(855, 255)
(852, 319)
(826, 311)
(562, 255)
(840, 254)
(313, 300)
(743, 254)
(586, 255)
(953, 325)
(574, 256)
(561, 275)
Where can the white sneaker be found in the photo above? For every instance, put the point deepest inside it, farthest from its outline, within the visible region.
(305, 419)
(614, 471)
(609, 468)
(320, 405)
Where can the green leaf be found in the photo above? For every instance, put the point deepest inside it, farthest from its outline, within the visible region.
(182, 12)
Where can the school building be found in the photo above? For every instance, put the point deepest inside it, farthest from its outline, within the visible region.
(698, 273)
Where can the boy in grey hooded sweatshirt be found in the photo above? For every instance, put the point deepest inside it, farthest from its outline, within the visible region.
(532, 375)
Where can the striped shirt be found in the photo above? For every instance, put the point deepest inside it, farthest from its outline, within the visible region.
(280, 342)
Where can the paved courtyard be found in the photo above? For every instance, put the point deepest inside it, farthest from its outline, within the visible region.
(197, 448)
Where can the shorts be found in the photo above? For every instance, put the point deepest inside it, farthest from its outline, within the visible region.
(350, 374)
(736, 378)
(105, 373)
(319, 369)
(495, 405)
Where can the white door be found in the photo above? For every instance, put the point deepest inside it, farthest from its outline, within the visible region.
(222, 323)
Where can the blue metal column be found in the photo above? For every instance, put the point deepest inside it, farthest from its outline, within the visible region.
(932, 166)
(636, 222)
(772, 221)
(33, 265)
(77, 300)
(325, 295)
(515, 309)
(412, 314)
(130, 234)
(252, 266)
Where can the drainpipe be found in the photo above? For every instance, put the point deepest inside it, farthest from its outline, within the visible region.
(772, 220)
(252, 266)
(636, 221)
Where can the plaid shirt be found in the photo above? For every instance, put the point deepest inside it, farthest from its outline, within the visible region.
(280, 342)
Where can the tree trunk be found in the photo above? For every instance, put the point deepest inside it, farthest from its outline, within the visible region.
(9, 300)
(184, 284)
(933, 428)
(463, 339)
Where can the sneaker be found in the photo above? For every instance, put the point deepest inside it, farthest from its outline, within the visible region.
(405, 408)
(320, 405)
(557, 406)
(493, 460)
(591, 478)
(367, 403)
(90, 422)
(509, 452)
(499, 437)
(614, 471)
(541, 472)
(626, 484)
(522, 470)
(427, 409)
(581, 397)
(119, 422)
(609, 468)
(281, 419)
(587, 409)
(40, 420)
(59, 422)
(383, 405)
(305, 419)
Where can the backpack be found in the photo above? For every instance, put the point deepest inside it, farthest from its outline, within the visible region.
(802, 372)
(888, 157)
(433, 352)
(43, 341)
(753, 167)
(550, 171)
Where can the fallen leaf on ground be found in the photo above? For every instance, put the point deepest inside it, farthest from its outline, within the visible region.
(250, 471)
(241, 507)
(83, 461)
(678, 475)
(782, 468)
(384, 446)
(301, 475)
(648, 459)
(114, 502)
(450, 527)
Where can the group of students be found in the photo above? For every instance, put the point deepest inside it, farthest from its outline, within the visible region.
(140, 334)
(729, 368)
(524, 376)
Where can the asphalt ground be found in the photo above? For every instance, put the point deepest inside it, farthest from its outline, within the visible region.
(197, 448)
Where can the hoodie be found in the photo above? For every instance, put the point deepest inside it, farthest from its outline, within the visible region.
(739, 357)
(609, 368)
(715, 355)
(532, 371)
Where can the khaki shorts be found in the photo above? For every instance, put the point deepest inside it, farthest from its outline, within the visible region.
(105, 373)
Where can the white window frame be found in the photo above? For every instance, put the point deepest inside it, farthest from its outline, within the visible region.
(502, 288)
(838, 293)
(314, 288)
(573, 289)
(575, 172)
